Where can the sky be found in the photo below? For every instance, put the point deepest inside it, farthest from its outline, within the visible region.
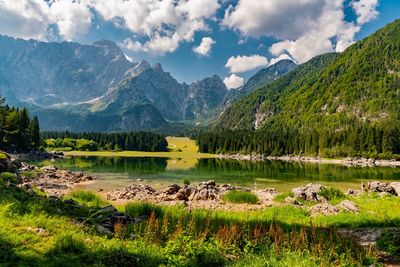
(194, 39)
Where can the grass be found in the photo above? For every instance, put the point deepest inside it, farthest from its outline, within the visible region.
(3, 156)
(240, 197)
(88, 198)
(174, 236)
(7, 177)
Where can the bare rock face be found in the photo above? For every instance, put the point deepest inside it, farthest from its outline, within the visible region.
(308, 192)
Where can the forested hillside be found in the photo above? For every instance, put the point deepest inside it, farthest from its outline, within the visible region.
(334, 105)
(18, 132)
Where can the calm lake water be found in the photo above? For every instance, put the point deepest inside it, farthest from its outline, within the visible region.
(116, 172)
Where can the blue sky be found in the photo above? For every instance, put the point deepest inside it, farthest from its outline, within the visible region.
(193, 39)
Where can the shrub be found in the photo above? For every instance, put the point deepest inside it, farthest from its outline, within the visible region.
(240, 197)
(7, 177)
(186, 182)
(332, 194)
(389, 241)
(3, 156)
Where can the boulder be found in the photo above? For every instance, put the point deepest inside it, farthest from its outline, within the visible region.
(348, 206)
(381, 187)
(308, 192)
(396, 187)
(324, 209)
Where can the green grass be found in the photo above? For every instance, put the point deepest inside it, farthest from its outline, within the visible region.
(7, 177)
(87, 197)
(174, 236)
(389, 241)
(333, 195)
(240, 197)
(3, 156)
(186, 181)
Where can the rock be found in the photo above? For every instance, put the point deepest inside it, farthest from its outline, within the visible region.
(308, 192)
(381, 187)
(352, 192)
(324, 209)
(7, 165)
(396, 187)
(108, 209)
(292, 201)
(133, 192)
(103, 230)
(49, 168)
(172, 189)
(348, 206)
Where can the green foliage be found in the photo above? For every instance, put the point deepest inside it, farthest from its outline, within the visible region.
(87, 197)
(6, 177)
(3, 156)
(332, 194)
(240, 197)
(335, 105)
(281, 197)
(186, 181)
(389, 241)
(92, 141)
(18, 132)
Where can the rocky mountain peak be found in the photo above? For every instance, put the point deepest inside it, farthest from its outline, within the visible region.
(157, 67)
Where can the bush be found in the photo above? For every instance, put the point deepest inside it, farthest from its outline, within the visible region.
(186, 182)
(389, 241)
(240, 197)
(332, 193)
(7, 177)
(3, 156)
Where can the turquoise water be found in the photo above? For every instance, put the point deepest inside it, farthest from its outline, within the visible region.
(115, 172)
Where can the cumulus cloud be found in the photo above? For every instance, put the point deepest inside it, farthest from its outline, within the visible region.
(280, 58)
(365, 10)
(24, 18)
(205, 46)
(233, 81)
(165, 24)
(240, 64)
(305, 28)
(72, 18)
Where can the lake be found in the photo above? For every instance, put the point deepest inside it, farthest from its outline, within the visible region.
(116, 172)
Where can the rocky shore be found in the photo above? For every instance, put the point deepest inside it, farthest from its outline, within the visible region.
(361, 162)
(48, 179)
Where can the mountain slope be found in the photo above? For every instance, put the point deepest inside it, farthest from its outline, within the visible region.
(53, 73)
(361, 84)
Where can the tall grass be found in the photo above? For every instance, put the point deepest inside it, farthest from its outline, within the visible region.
(87, 197)
(240, 197)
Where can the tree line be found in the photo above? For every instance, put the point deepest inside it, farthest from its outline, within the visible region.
(357, 141)
(18, 131)
(93, 141)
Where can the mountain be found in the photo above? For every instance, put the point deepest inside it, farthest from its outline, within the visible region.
(78, 87)
(265, 76)
(53, 73)
(360, 84)
(341, 103)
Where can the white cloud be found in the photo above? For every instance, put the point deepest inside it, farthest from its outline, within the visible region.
(24, 18)
(365, 10)
(305, 28)
(233, 81)
(72, 18)
(205, 46)
(165, 23)
(240, 64)
(280, 58)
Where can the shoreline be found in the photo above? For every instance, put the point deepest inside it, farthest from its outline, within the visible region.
(349, 162)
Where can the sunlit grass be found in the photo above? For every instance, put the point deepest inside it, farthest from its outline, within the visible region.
(240, 197)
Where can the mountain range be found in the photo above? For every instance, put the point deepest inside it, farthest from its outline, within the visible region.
(95, 87)
(330, 93)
